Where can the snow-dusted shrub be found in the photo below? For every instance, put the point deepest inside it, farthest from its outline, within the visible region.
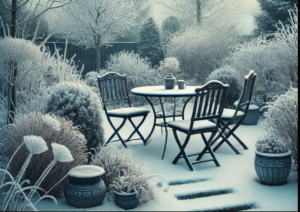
(45, 126)
(138, 71)
(200, 50)
(228, 76)
(282, 121)
(13, 195)
(149, 43)
(169, 65)
(38, 70)
(269, 144)
(123, 175)
(91, 79)
(274, 60)
(82, 105)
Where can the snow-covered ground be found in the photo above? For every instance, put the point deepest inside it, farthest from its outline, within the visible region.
(236, 176)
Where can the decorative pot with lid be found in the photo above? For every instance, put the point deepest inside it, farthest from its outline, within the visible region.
(84, 188)
(170, 81)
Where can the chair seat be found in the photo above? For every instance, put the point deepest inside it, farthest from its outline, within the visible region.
(198, 125)
(131, 111)
(228, 113)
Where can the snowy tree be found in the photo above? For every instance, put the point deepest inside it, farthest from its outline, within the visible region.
(197, 9)
(169, 26)
(95, 23)
(34, 9)
(273, 11)
(149, 44)
(24, 11)
(143, 9)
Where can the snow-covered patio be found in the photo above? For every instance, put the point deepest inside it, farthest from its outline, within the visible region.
(233, 185)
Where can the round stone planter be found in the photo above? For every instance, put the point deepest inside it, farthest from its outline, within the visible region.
(84, 188)
(126, 200)
(273, 169)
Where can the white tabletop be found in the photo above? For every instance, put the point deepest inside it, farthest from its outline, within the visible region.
(160, 91)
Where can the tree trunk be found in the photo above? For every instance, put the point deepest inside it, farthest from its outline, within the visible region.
(98, 54)
(98, 59)
(198, 12)
(12, 95)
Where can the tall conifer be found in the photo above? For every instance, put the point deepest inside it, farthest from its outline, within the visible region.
(149, 44)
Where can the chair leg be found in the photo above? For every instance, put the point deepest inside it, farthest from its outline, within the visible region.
(116, 131)
(136, 129)
(207, 147)
(239, 140)
(231, 146)
(182, 147)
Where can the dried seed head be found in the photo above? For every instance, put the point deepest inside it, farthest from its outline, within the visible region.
(35, 144)
(61, 153)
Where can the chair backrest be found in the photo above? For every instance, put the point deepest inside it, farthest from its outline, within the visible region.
(209, 101)
(246, 95)
(113, 91)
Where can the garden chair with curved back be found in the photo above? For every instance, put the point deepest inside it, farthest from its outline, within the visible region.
(116, 103)
(236, 117)
(208, 105)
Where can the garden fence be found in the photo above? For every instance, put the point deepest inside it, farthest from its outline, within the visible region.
(88, 56)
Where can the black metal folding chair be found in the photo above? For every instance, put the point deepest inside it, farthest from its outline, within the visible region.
(114, 94)
(236, 117)
(210, 107)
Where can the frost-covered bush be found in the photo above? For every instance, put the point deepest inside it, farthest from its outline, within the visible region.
(282, 121)
(274, 60)
(38, 70)
(52, 129)
(138, 71)
(169, 65)
(269, 144)
(13, 195)
(80, 104)
(149, 43)
(91, 79)
(200, 50)
(228, 76)
(123, 175)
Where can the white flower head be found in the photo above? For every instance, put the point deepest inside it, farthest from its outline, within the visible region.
(51, 122)
(35, 144)
(61, 153)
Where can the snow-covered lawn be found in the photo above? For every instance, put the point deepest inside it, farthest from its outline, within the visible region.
(236, 176)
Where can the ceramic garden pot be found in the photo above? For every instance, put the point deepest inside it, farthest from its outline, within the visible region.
(84, 188)
(273, 169)
(170, 81)
(126, 200)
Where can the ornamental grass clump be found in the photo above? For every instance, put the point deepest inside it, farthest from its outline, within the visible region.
(52, 129)
(282, 121)
(124, 176)
(82, 105)
(15, 196)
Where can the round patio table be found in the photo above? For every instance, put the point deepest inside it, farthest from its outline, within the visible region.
(160, 92)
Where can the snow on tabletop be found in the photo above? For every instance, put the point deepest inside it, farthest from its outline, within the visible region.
(160, 90)
(85, 171)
